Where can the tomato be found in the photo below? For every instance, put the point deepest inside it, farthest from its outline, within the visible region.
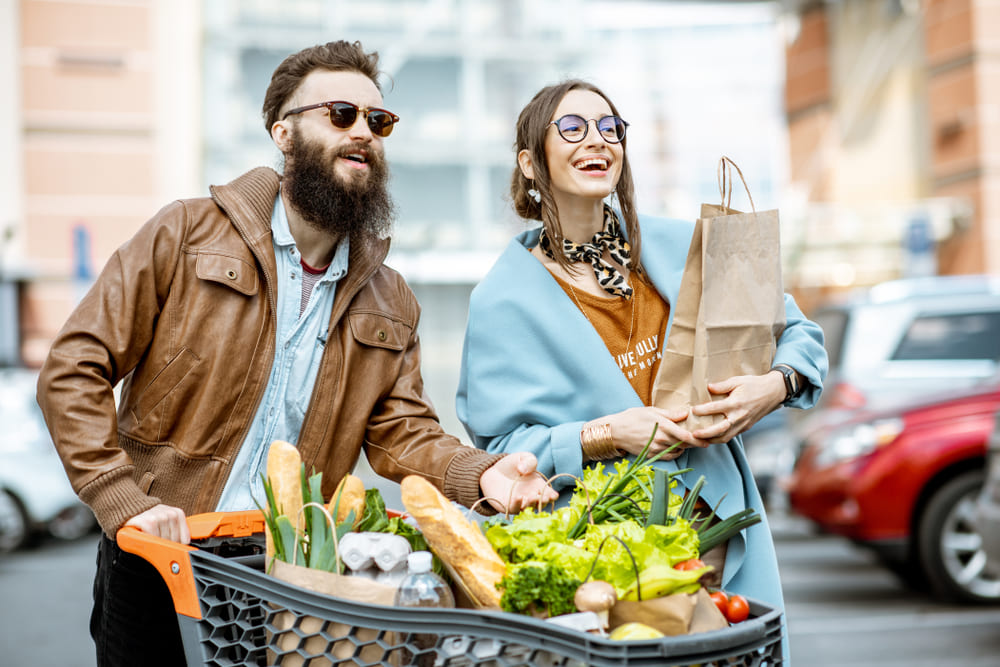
(738, 609)
(690, 564)
(721, 601)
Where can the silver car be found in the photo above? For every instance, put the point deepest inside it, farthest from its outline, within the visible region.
(35, 494)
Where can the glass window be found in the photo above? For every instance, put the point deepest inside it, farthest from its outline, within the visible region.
(952, 336)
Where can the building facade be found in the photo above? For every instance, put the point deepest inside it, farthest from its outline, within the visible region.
(893, 140)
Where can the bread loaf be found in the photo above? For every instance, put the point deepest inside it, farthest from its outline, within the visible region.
(284, 472)
(350, 495)
(457, 541)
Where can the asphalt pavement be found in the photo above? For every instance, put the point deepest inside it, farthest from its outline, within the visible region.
(844, 610)
(45, 600)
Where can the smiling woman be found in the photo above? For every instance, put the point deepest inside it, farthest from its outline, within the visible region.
(565, 333)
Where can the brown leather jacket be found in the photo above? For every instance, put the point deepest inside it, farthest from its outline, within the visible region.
(184, 314)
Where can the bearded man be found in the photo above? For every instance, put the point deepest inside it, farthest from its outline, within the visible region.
(261, 313)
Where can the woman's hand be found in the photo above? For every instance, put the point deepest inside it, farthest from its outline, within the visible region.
(163, 521)
(630, 431)
(745, 400)
(515, 479)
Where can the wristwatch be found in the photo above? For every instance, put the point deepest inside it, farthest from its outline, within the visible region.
(792, 387)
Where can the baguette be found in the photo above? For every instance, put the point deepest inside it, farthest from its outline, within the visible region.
(284, 471)
(351, 495)
(457, 541)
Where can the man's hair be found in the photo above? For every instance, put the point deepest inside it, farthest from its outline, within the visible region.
(532, 126)
(333, 56)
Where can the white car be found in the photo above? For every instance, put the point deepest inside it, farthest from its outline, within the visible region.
(35, 495)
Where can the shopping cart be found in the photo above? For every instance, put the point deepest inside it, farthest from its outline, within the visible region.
(231, 613)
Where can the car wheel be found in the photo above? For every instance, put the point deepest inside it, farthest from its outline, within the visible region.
(950, 546)
(72, 523)
(14, 527)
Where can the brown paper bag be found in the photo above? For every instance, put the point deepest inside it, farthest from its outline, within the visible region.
(706, 615)
(730, 309)
(677, 614)
(342, 586)
(670, 614)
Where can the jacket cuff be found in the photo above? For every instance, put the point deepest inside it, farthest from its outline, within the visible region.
(461, 479)
(115, 498)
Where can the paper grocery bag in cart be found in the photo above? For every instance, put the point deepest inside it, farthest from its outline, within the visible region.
(313, 633)
(730, 310)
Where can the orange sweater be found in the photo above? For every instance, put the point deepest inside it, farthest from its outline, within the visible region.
(635, 344)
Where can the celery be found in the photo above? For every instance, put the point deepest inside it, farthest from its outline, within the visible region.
(614, 504)
(609, 503)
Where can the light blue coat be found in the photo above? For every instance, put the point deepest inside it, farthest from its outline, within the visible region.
(534, 370)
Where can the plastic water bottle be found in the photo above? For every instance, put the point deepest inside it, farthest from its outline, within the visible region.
(421, 587)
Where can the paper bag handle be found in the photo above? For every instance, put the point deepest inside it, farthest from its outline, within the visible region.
(726, 183)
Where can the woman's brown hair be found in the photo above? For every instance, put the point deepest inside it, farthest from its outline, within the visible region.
(333, 56)
(532, 126)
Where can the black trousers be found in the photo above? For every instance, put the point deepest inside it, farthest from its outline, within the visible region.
(133, 622)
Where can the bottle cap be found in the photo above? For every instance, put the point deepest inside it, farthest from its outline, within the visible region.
(419, 561)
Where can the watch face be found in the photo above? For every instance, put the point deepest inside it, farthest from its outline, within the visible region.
(794, 389)
(791, 381)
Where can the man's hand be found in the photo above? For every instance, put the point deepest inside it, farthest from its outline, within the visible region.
(514, 480)
(163, 521)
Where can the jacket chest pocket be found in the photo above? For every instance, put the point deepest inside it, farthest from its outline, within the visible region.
(374, 329)
(227, 270)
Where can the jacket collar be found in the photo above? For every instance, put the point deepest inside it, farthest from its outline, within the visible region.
(248, 201)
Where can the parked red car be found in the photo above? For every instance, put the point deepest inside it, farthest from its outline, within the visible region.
(905, 482)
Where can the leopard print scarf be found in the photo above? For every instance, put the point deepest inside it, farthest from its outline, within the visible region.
(611, 239)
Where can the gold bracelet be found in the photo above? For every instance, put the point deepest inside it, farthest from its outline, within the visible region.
(597, 443)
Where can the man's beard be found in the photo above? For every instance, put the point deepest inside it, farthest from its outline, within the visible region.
(328, 202)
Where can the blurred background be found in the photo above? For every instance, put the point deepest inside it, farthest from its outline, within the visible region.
(872, 125)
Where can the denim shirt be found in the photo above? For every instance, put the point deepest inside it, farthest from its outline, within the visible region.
(298, 350)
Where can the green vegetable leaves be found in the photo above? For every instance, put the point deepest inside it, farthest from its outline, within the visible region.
(377, 520)
(653, 529)
(537, 586)
(310, 539)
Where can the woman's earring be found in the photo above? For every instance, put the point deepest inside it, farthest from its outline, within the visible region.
(536, 195)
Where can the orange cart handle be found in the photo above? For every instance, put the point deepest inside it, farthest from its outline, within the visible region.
(171, 559)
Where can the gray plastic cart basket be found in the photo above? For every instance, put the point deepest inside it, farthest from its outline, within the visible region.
(231, 613)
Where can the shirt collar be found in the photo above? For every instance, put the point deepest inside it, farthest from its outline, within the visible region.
(280, 230)
(282, 235)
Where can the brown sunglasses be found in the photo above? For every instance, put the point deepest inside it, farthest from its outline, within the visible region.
(343, 115)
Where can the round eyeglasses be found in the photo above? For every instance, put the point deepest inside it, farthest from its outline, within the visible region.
(573, 128)
(344, 114)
